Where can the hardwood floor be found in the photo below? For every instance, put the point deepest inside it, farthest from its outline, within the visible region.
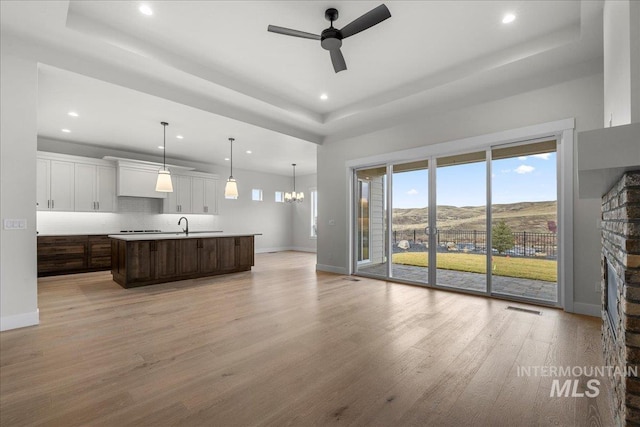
(284, 345)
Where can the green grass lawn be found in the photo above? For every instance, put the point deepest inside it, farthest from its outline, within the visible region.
(526, 268)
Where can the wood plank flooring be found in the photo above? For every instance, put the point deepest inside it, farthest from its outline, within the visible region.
(284, 345)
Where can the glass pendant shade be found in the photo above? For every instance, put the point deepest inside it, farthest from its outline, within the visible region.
(231, 189)
(164, 183)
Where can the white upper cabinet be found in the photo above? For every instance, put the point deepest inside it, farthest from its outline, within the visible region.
(95, 188)
(43, 193)
(106, 188)
(211, 196)
(179, 201)
(83, 184)
(195, 194)
(55, 181)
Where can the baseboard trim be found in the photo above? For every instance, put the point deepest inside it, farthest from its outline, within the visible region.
(288, 248)
(303, 249)
(19, 320)
(331, 269)
(587, 309)
(266, 250)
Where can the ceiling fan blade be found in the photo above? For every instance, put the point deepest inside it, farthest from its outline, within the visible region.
(338, 60)
(290, 32)
(368, 20)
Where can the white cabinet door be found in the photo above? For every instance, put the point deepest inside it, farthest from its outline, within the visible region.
(43, 174)
(170, 203)
(183, 193)
(85, 188)
(106, 188)
(62, 186)
(197, 195)
(211, 196)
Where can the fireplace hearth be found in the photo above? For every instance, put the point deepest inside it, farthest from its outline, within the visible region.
(620, 265)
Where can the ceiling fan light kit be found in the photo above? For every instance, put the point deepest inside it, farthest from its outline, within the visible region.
(331, 38)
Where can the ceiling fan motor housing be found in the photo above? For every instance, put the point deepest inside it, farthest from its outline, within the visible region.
(331, 38)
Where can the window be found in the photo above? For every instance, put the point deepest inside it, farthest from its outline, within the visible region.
(279, 197)
(314, 212)
(256, 194)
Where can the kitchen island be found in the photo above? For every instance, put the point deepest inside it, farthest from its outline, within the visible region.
(149, 259)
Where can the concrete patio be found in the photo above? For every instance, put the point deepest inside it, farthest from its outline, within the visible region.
(511, 286)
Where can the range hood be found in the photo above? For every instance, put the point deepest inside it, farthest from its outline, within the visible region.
(604, 155)
(138, 178)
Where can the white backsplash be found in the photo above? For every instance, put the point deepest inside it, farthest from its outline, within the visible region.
(134, 213)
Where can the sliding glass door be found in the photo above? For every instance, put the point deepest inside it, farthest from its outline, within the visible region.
(410, 222)
(524, 221)
(486, 220)
(371, 231)
(461, 233)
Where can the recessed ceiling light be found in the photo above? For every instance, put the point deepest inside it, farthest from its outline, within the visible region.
(508, 18)
(324, 96)
(180, 137)
(226, 158)
(72, 114)
(145, 10)
(161, 147)
(248, 151)
(66, 131)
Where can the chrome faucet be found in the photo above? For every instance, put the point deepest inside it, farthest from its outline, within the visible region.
(186, 230)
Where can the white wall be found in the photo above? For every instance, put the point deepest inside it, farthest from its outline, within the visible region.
(271, 219)
(302, 240)
(621, 36)
(581, 98)
(18, 128)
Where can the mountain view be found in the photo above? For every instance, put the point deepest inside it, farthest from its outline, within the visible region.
(524, 216)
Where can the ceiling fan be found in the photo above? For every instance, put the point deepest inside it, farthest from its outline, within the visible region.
(331, 38)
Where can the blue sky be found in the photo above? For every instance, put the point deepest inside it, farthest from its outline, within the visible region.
(516, 179)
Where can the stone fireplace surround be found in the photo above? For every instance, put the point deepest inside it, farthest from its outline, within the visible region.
(621, 258)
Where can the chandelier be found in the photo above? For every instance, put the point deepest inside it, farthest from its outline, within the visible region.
(294, 197)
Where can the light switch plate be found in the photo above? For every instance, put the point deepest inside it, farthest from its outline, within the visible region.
(15, 224)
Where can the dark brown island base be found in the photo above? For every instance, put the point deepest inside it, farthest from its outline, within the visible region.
(140, 260)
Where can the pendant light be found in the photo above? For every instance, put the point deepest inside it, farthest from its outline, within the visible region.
(294, 197)
(231, 188)
(164, 184)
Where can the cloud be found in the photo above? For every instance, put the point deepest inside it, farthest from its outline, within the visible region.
(412, 192)
(543, 156)
(505, 170)
(522, 169)
(523, 158)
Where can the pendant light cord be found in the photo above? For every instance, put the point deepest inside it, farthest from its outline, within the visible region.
(294, 179)
(164, 145)
(231, 170)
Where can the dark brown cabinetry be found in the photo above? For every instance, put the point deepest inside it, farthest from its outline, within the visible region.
(208, 255)
(73, 254)
(148, 262)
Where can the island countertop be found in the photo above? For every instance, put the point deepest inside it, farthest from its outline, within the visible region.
(164, 236)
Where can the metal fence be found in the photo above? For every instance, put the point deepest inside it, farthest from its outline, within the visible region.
(527, 243)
